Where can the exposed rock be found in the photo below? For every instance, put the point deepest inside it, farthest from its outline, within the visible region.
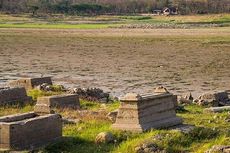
(112, 115)
(213, 99)
(148, 148)
(104, 137)
(219, 149)
(160, 90)
(91, 94)
(185, 99)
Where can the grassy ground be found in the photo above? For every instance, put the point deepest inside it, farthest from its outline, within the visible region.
(98, 22)
(211, 129)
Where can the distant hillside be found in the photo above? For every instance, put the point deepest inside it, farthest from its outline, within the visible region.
(94, 7)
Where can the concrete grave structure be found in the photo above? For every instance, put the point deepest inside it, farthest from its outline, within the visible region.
(44, 104)
(29, 130)
(144, 112)
(13, 96)
(30, 83)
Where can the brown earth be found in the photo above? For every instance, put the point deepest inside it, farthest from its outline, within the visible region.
(120, 60)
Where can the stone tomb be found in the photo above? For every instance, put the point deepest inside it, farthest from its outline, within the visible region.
(144, 112)
(29, 130)
(13, 96)
(30, 83)
(44, 104)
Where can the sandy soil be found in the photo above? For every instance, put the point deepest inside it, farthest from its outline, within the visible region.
(120, 60)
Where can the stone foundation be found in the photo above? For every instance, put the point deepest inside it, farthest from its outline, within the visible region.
(10, 96)
(29, 130)
(44, 104)
(144, 112)
(30, 83)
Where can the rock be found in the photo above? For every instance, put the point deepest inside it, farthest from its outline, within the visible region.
(160, 90)
(91, 94)
(112, 115)
(212, 99)
(219, 149)
(139, 149)
(185, 99)
(217, 109)
(104, 137)
(148, 148)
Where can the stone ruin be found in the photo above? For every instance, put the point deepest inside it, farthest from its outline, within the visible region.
(30, 83)
(29, 130)
(44, 104)
(144, 112)
(13, 96)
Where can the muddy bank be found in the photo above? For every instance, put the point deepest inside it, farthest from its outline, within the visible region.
(119, 64)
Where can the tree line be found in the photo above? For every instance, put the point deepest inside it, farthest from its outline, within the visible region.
(96, 7)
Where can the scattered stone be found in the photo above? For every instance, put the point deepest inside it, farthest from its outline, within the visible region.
(112, 115)
(217, 109)
(16, 95)
(30, 83)
(48, 87)
(213, 99)
(104, 137)
(149, 148)
(186, 99)
(91, 94)
(140, 113)
(219, 149)
(160, 90)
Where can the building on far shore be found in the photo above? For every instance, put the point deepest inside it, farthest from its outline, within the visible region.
(166, 11)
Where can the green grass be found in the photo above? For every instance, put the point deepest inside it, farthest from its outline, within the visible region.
(35, 93)
(58, 26)
(101, 22)
(211, 129)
